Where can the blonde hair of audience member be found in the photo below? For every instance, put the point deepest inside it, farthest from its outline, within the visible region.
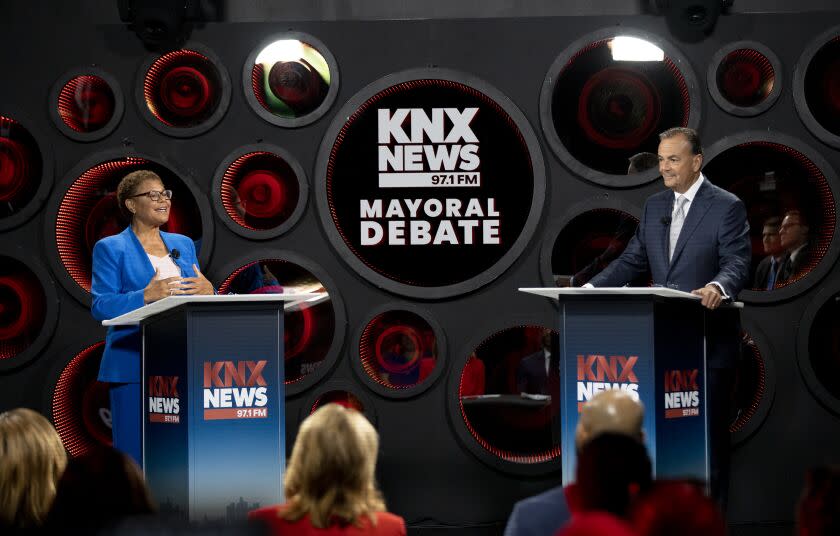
(331, 471)
(613, 411)
(32, 459)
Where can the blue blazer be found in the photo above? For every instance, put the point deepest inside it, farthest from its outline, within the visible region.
(121, 271)
(714, 245)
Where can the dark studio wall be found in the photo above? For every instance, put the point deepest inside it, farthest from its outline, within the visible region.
(432, 470)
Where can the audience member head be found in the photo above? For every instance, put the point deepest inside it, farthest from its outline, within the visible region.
(818, 511)
(611, 470)
(330, 475)
(596, 524)
(98, 489)
(676, 507)
(640, 162)
(31, 461)
(770, 237)
(613, 411)
(793, 232)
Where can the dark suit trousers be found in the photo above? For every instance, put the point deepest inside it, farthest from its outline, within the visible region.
(719, 387)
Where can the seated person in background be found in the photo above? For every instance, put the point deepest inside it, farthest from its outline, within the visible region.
(535, 372)
(818, 511)
(767, 270)
(97, 491)
(677, 507)
(640, 162)
(473, 378)
(32, 459)
(329, 482)
(609, 411)
(794, 235)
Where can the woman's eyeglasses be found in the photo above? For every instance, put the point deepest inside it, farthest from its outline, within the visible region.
(155, 195)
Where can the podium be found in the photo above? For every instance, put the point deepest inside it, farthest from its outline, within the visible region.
(649, 342)
(213, 402)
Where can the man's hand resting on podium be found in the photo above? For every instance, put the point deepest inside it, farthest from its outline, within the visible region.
(711, 296)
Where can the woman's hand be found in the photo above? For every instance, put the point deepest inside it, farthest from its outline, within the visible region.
(157, 289)
(195, 285)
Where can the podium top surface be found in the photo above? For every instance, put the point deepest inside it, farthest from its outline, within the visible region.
(136, 316)
(663, 292)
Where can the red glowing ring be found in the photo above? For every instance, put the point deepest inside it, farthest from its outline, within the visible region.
(185, 91)
(825, 131)
(21, 293)
(67, 398)
(758, 395)
(86, 103)
(14, 168)
(745, 78)
(262, 193)
(306, 333)
(634, 82)
(407, 331)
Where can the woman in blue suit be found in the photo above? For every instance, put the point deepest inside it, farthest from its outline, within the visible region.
(136, 267)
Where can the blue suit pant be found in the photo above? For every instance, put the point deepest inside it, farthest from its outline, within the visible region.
(126, 415)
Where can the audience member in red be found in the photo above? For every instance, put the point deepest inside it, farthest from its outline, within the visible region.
(31, 461)
(97, 491)
(473, 377)
(611, 470)
(818, 512)
(329, 482)
(677, 507)
(596, 524)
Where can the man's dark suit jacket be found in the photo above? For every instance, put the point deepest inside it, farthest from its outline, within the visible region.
(531, 376)
(791, 267)
(762, 271)
(714, 245)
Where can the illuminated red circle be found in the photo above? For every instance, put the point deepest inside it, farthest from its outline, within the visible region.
(185, 91)
(14, 168)
(262, 193)
(86, 103)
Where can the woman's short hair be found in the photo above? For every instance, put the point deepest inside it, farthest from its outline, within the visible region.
(32, 459)
(330, 475)
(128, 186)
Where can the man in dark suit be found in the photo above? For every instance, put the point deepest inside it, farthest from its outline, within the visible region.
(793, 234)
(767, 271)
(538, 373)
(694, 237)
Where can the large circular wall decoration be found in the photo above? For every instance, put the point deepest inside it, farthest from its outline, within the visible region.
(788, 186)
(86, 104)
(818, 347)
(755, 384)
(422, 170)
(260, 191)
(313, 331)
(28, 310)
(503, 403)
(586, 239)
(80, 404)
(400, 351)
(290, 79)
(185, 92)
(816, 87)
(86, 210)
(26, 172)
(607, 97)
(745, 78)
